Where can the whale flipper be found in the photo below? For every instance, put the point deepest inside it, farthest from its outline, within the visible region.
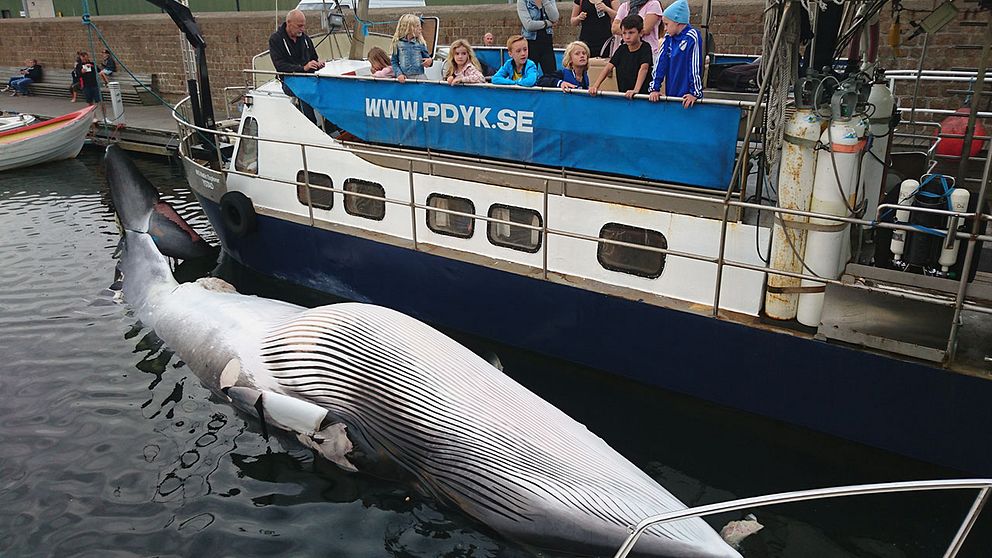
(333, 443)
(311, 424)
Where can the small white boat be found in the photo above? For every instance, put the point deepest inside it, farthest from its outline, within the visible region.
(42, 142)
(12, 121)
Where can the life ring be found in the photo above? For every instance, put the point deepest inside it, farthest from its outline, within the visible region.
(237, 213)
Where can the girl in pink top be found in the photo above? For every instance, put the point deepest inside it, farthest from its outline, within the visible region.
(381, 66)
(462, 66)
(650, 11)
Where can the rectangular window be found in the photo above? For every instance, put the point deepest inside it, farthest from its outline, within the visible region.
(449, 224)
(512, 236)
(247, 159)
(361, 206)
(320, 189)
(627, 259)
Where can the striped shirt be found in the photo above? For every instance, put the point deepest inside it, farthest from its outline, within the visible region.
(680, 65)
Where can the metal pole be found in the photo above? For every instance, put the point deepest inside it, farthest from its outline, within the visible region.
(358, 34)
(969, 522)
(745, 153)
(919, 74)
(544, 265)
(976, 99)
(306, 180)
(704, 23)
(977, 224)
(413, 208)
(969, 254)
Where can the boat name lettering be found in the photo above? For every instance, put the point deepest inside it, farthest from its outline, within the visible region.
(468, 115)
(207, 180)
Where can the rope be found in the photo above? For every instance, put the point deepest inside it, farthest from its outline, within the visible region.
(92, 28)
(784, 74)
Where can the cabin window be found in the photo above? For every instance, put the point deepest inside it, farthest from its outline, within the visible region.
(247, 159)
(321, 196)
(449, 224)
(361, 206)
(627, 259)
(513, 236)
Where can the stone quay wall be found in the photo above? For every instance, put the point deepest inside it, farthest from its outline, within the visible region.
(149, 44)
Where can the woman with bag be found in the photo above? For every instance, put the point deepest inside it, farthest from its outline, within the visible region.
(537, 17)
(594, 18)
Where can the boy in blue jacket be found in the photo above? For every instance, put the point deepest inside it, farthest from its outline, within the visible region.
(518, 70)
(680, 60)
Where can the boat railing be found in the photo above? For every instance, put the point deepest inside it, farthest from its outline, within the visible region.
(960, 302)
(238, 92)
(983, 487)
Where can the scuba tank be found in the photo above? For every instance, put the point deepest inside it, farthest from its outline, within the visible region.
(795, 188)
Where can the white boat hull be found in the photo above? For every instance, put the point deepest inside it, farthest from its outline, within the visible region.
(63, 141)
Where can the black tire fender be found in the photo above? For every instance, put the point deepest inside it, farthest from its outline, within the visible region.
(237, 213)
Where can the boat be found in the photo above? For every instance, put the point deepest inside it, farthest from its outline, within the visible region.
(11, 121)
(478, 210)
(46, 141)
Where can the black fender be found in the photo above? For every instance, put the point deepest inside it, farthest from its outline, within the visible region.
(237, 213)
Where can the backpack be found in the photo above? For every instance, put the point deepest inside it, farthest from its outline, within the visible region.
(741, 78)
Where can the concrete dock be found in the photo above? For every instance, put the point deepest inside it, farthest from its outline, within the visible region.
(149, 129)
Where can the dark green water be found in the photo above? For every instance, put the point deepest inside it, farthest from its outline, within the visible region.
(110, 447)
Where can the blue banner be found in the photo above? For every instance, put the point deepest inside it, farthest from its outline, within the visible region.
(659, 141)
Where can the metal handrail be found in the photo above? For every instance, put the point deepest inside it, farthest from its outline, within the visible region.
(720, 260)
(725, 102)
(982, 485)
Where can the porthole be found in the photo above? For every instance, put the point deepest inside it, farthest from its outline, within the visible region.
(321, 196)
(247, 159)
(450, 224)
(628, 259)
(361, 206)
(512, 236)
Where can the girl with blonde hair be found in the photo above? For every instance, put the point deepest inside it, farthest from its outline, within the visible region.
(576, 66)
(409, 51)
(462, 66)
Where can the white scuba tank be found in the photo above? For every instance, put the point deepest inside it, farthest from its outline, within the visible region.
(824, 245)
(860, 125)
(873, 170)
(959, 202)
(795, 188)
(898, 242)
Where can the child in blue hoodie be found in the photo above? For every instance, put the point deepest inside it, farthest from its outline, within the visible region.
(410, 55)
(518, 70)
(680, 60)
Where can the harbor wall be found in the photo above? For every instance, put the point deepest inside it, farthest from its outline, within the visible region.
(149, 44)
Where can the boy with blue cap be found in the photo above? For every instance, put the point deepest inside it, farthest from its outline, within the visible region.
(680, 60)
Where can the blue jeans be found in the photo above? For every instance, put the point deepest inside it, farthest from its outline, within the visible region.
(20, 84)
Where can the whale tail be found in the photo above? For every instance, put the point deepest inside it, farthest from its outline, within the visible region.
(139, 209)
(152, 231)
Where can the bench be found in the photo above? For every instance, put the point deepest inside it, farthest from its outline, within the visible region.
(56, 82)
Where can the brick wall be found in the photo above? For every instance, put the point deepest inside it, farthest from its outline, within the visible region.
(150, 43)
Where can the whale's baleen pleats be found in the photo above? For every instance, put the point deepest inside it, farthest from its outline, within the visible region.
(373, 389)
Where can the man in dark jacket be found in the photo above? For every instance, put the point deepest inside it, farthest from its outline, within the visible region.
(86, 70)
(28, 75)
(292, 51)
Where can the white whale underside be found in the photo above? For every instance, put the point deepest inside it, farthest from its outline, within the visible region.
(405, 393)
